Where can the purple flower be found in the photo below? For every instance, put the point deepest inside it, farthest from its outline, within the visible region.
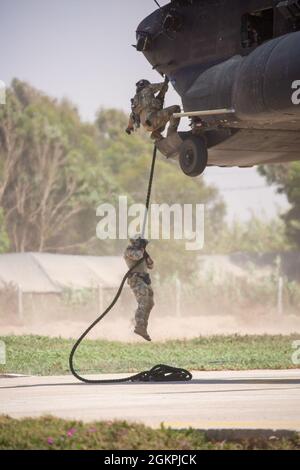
(71, 432)
(50, 441)
(92, 430)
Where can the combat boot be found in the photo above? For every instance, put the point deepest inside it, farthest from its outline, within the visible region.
(142, 331)
(156, 135)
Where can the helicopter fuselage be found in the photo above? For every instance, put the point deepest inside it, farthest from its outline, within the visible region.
(242, 55)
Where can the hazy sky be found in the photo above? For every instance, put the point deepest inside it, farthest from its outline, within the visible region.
(81, 49)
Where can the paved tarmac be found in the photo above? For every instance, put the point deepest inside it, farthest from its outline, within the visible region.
(212, 400)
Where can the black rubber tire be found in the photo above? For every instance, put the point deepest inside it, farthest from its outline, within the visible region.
(193, 155)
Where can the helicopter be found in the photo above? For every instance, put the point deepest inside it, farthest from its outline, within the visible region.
(236, 66)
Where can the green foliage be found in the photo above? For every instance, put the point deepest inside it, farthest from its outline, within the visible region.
(51, 171)
(287, 179)
(253, 236)
(49, 433)
(38, 355)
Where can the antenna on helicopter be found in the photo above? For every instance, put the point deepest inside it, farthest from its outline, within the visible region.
(157, 4)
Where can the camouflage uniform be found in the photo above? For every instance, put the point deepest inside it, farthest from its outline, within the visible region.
(150, 111)
(139, 281)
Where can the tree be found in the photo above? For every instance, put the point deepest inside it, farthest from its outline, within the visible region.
(253, 236)
(287, 180)
(51, 171)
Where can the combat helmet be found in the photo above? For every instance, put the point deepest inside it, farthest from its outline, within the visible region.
(141, 84)
(138, 241)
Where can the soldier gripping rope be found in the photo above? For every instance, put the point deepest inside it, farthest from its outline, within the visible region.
(147, 109)
(140, 283)
(138, 261)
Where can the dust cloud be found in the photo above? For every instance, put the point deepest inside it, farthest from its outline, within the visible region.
(161, 327)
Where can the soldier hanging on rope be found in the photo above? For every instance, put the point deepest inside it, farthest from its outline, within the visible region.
(147, 108)
(140, 283)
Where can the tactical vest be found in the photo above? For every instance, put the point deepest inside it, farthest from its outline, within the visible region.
(145, 101)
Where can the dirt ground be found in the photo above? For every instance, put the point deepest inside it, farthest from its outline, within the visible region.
(161, 328)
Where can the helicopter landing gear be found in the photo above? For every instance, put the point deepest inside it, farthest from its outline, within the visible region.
(193, 155)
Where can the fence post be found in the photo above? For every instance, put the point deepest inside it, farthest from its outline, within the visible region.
(2, 353)
(280, 286)
(178, 297)
(20, 304)
(280, 296)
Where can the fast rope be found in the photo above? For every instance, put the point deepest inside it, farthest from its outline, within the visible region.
(160, 372)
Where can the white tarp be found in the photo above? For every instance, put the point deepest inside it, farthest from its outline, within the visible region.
(50, 273)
